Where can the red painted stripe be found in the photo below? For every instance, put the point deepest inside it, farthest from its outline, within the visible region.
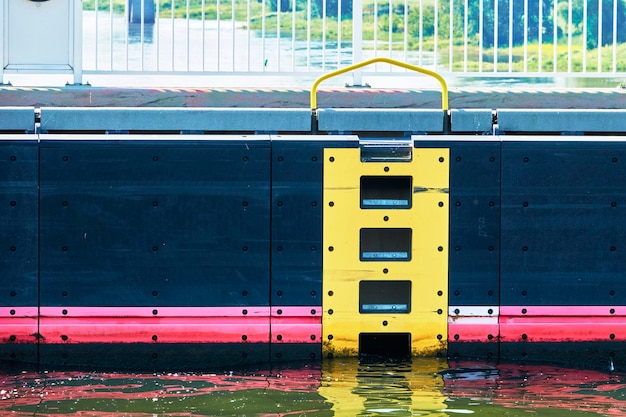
(540, 324)
(296, 330)
(562, 323)
(68, 324)
(563, 330)
(260, 311)
(545, 311)
(15, 312)
(18, 330)
(299, 311)
(71, 311)
(296, 324)
(56, 330)
(459, 331)
(477, 324)
(293, 324)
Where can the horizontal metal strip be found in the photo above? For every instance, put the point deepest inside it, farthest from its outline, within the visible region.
(565, 311)
(473, 332)
(296, 332)
(473, 311)
(18, 330)
(49, 140)
(583, 142)
(156, 311)
(17, 312)
(472, 320)
(297, 311)
(54, 330)
(96, 311)
(563, 331)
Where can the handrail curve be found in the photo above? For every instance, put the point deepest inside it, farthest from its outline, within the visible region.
(319, 80)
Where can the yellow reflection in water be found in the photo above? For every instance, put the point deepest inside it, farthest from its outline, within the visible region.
(389, 389)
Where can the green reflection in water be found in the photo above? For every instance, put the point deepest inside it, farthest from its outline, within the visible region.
(339, 387)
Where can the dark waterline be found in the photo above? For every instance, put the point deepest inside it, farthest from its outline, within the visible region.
(339, 387)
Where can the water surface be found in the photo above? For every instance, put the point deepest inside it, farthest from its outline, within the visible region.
(339, 387)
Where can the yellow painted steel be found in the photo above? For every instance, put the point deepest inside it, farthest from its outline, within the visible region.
(427, 269)
(442, 82)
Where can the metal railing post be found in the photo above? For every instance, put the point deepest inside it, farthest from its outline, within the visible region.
(357, 40)
(77, 42)
(531, 34)
(4, 39)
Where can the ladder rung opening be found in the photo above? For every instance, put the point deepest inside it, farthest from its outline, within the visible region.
(392, 192)
(384, 297)
(385, 244)
(385, 344)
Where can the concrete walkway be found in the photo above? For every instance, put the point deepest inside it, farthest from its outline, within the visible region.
(86, 96)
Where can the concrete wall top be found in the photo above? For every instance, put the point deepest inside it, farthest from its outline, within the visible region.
(459, 98)
(471, 120)
(561, 120)
(380, 120)
(17, 118)
(174, 119)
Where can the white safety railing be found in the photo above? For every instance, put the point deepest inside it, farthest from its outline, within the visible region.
(584, 38)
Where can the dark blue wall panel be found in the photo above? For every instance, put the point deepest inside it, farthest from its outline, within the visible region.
(154, 357)
(178, 225)
(201, 222)
(296, 257)
(18, 248)
(296, 224)
(474, 223)
(297, 197)
(563, 223)
(18, 222)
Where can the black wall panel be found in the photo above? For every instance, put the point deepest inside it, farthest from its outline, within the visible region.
(154, 357)
(18, 249)
(563, 223)
(18, 222)
(178, 225)
(296, 236)
(237, 223)
(474, 223)
(296, 224)
(297, 197)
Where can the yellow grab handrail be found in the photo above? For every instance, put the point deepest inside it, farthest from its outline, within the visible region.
(444, 86)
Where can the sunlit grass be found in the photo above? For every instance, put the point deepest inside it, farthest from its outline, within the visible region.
(533, 58)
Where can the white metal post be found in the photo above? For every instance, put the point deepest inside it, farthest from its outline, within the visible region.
(77, 41)
(3, 6)
(357, 40)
